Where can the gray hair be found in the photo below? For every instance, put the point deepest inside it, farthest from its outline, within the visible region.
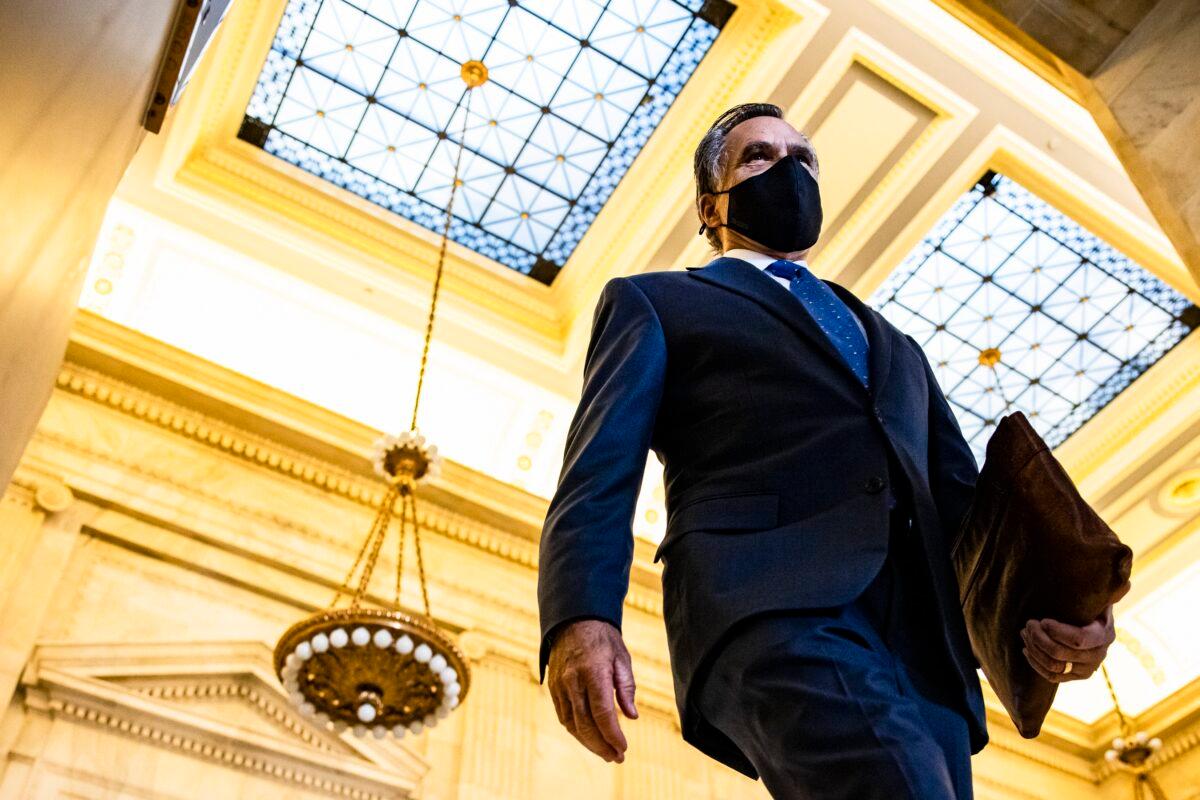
(709, 161)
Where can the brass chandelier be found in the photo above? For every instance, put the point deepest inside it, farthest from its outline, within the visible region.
(375, 669)
(1132, 750)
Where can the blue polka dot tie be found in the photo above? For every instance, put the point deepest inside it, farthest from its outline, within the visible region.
(830, 313)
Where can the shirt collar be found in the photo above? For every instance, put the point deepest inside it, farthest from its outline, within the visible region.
(754, 257)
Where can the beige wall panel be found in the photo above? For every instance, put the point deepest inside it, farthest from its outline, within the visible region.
(110, 594)
(563, 767)
(857, 134)
(498, 730)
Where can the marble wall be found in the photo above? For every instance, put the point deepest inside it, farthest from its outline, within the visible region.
(152, 554)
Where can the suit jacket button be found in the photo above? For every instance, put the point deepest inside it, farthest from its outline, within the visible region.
(874, 484)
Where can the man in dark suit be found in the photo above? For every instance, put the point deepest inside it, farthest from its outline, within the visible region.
(815, 476)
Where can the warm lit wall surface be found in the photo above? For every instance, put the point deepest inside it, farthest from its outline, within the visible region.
(199, 482)
(75, 84)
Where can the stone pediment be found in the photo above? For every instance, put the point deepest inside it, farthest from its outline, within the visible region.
(217, 701)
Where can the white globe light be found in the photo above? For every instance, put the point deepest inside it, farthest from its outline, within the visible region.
(320, 643)
(437, 663)
(366, 712)
(339, 638)
(404, 645)
(423, 653)
(383, 638)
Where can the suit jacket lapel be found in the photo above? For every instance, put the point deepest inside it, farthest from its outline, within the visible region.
(751, 282)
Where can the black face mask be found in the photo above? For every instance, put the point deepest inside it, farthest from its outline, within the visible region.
(779, 208)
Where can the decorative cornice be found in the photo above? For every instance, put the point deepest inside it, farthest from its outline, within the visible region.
(209, 751)
(267, 455)
(238, 689)
(199, 746)
(135, 689)
(1176, 747)
(293, 464)
(262, 453)
(1010, 742)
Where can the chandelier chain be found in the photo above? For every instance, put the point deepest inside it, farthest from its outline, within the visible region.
(441, 261)
(420, 560)
(377, 535)
(382, 517)
(400, 553)
(1122, 720)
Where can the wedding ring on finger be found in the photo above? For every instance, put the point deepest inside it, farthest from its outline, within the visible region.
(1067, 669)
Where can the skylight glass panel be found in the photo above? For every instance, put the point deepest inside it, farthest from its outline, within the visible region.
(1020, 308)
(367, 94)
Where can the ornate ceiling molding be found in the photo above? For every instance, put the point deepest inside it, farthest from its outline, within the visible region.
(204, 163)
(113, 686)
(951, 116)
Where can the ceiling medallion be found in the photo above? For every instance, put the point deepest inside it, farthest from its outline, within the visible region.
(383, 670)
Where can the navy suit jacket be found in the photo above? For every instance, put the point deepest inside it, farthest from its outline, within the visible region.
(775, 459)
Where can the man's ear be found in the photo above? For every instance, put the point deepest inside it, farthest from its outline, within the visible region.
(707, 207)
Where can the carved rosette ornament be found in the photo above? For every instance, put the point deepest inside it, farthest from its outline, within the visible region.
(375, 669)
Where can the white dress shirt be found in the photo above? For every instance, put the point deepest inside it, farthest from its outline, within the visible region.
(763, 261)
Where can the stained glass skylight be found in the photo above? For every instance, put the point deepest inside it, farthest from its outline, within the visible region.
(367, 94)
(1066, 320)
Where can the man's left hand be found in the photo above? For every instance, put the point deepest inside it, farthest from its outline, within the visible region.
(1051, 645)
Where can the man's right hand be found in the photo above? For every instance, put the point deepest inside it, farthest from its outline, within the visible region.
(588, 663)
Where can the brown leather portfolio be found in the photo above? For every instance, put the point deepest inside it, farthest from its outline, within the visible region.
(1029, 547)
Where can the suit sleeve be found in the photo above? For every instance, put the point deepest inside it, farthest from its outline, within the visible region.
(952, 468)
(586, 548)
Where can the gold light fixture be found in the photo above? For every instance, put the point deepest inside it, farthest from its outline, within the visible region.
(1132, 751)
(376, 669)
